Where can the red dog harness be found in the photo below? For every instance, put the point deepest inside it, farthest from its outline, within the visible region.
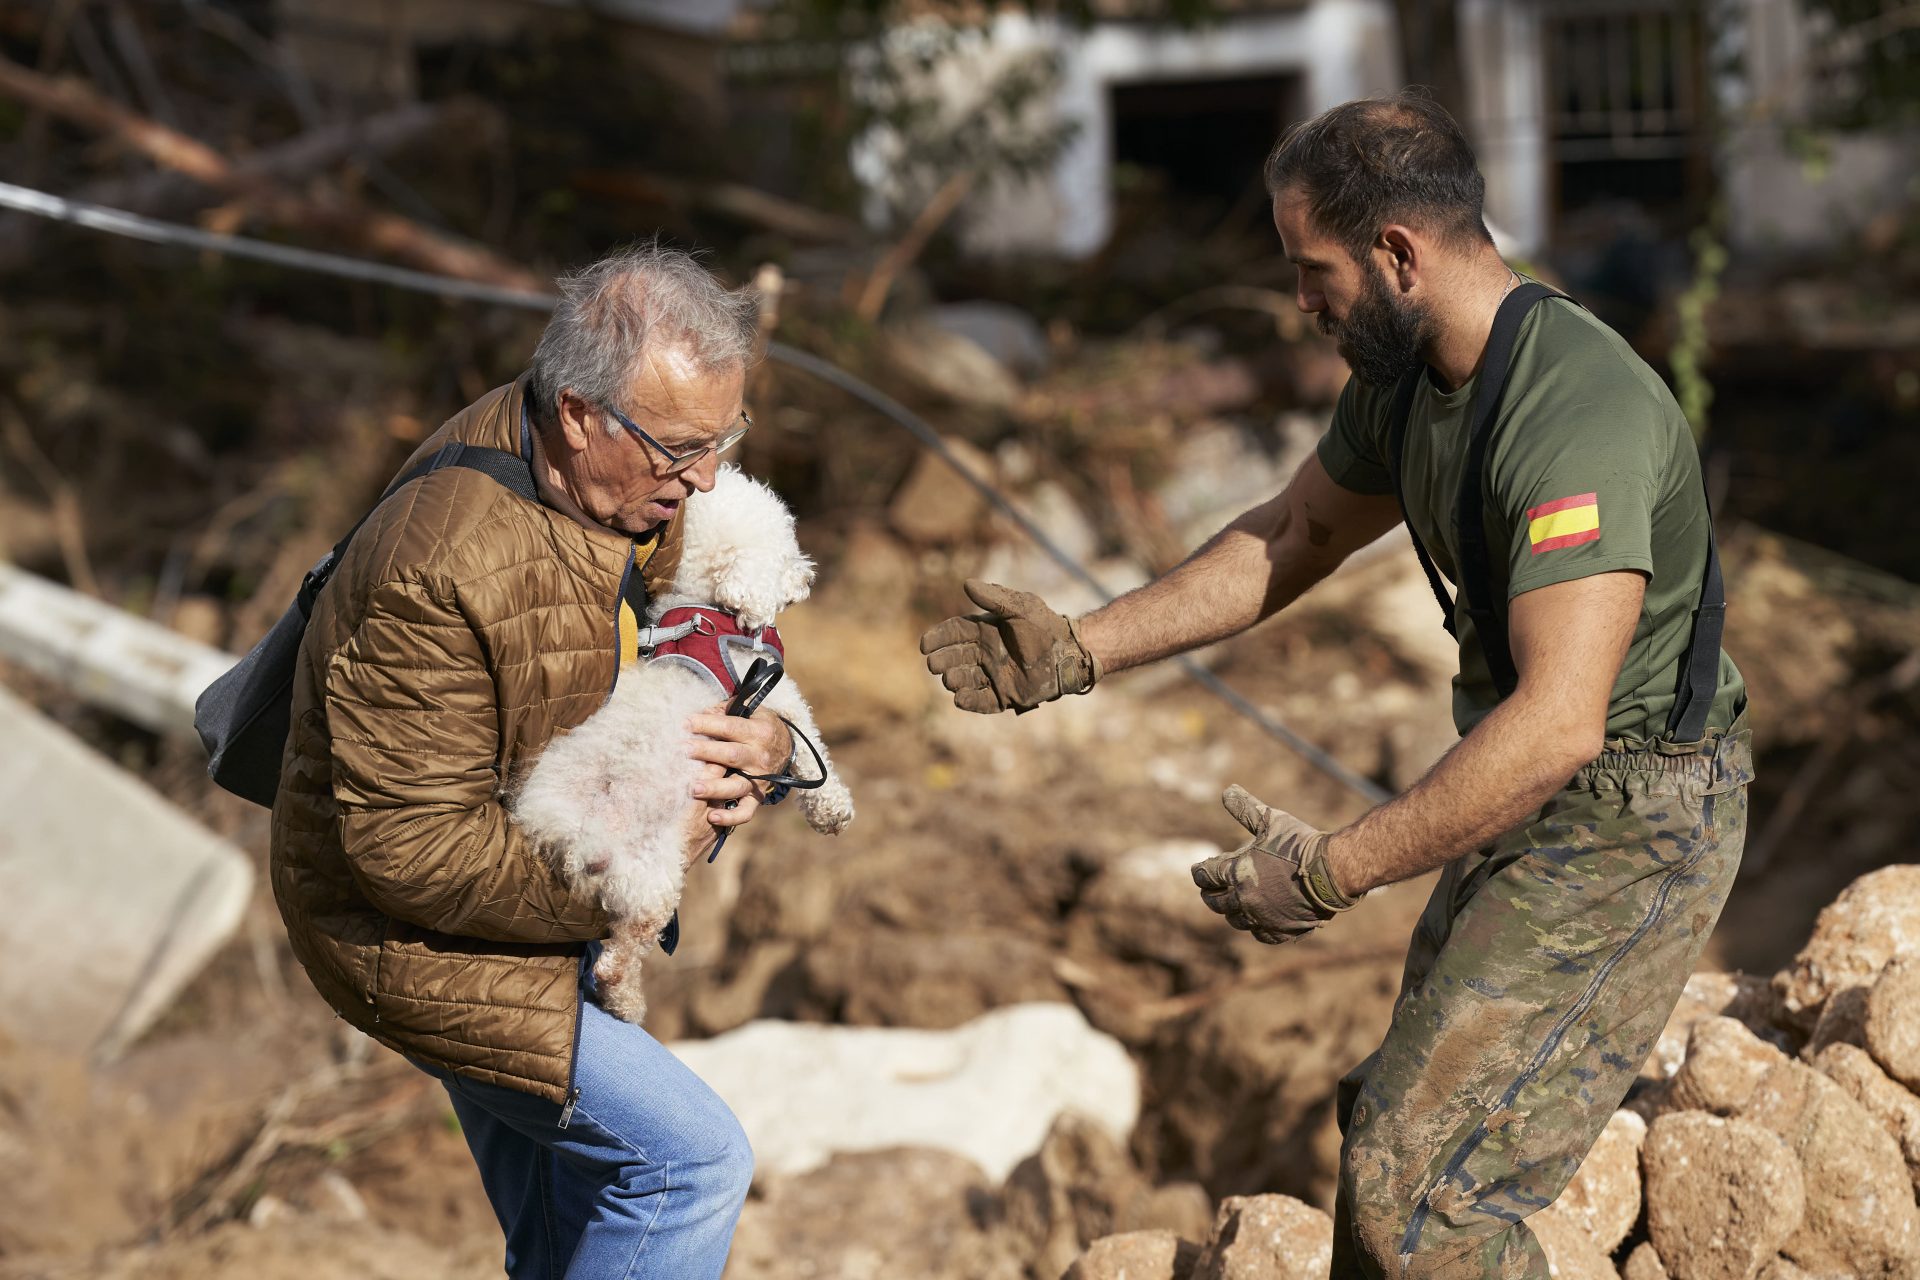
(708, 639)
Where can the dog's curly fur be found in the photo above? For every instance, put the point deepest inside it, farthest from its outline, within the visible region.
(610, 801)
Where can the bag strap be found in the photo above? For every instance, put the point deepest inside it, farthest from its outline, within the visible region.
(509, 470)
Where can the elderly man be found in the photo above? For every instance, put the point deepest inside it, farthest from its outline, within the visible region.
(464, 628)
(1590, 821)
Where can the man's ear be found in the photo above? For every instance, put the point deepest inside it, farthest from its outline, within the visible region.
(576, 421)
(1403, 253)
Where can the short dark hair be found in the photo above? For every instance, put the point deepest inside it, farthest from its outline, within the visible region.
(1366, 163)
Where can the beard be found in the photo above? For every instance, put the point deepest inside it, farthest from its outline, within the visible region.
(1382, 338)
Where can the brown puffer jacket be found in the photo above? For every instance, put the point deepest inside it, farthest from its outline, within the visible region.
(464, 628)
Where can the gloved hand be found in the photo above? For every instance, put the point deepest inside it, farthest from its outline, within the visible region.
(1277, 885)
(1015, 656)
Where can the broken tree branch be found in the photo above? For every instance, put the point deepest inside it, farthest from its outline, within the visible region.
(879, 282)
(330, 213)
(729, 199)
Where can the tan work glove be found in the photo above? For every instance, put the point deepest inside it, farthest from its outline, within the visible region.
(1015, 656)
(1276, 885)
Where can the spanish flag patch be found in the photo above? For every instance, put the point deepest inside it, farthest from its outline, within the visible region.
(1564, 522)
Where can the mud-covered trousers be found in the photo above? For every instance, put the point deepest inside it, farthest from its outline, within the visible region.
(1538, 979)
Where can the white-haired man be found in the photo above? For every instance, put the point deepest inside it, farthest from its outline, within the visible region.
(463, 629)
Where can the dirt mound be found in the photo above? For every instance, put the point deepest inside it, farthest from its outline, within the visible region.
(1755, 1163)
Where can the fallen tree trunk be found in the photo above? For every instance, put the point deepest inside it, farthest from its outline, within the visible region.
(331, 213)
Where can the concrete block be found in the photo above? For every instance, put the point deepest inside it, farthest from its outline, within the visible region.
(114, 898)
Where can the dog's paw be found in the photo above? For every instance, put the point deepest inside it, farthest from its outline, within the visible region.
(828, 809)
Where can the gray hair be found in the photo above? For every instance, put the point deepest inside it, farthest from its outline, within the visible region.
(612, 311)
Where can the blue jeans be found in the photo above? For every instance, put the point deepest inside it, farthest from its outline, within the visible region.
(646, 1180)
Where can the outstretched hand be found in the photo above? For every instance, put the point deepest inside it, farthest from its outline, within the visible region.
(1276, 886)
(1014, 656)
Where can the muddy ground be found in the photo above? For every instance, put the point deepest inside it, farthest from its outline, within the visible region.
(251, 1134)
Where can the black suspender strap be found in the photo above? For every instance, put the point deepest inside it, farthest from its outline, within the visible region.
(1470, 529)
(1700, 672)
(1470, 534)
(1403, 395)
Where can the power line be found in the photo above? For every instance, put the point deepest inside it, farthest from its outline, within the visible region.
(118, 222)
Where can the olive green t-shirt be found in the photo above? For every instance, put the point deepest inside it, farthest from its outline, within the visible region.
(1590, 468)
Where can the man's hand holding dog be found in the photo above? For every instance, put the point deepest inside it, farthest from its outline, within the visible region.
(1277, 885)
(759, 743)
(1015, 656)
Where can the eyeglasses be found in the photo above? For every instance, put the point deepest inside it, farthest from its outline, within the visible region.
(678, 462)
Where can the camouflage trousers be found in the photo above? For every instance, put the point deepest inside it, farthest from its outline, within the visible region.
(1537, 981)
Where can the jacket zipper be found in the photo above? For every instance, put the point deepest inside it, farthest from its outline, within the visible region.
(579, 1014)
(573, 1063)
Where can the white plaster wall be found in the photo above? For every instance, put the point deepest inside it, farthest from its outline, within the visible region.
(1776, 202)
(1341, 49)
(1500, 56)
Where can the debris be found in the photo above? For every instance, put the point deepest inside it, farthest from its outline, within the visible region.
(1725, 1062)
(1860, 1215)
(137, 669)
(1897, 1110)
(1136, 1255)
(106, 884)
(1603, 1200)
(989, 1091)
(1267, 1238)
(1893, 1021)
(1722, 1195)
(1874, 921)
(935, 504)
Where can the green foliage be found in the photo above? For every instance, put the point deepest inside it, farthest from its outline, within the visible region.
(1865, 65)
(940, 101)
(1691, 345)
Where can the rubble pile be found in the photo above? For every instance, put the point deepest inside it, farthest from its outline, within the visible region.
(1775, 1133)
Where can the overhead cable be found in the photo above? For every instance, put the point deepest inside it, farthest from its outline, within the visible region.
(118, 222)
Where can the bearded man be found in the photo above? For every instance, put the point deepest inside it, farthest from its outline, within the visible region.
(1589, 823)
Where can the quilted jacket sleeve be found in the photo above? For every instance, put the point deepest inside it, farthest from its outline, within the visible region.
(415, 732)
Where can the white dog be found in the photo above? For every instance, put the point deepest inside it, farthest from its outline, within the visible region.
(611, 801)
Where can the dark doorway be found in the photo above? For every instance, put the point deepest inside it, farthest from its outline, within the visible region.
(1204, 141)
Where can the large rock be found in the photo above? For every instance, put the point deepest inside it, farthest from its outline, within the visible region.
(1603, 1199)
(1722, 1195)
(1746, 998)
(1860, 1218)
(1724, 1062)
(1897, 1110)
(949, 365)
(936, 504)
(1069, 1193)
(1136, 1255)
(1873, 922)
(874, 1216)
(1267, 1238)
(1893, 1021)
(1572, 1254)
(1644, 1264)
(988, 1091)
(1842, 1020)
(114, 898)
(1081, 1186)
